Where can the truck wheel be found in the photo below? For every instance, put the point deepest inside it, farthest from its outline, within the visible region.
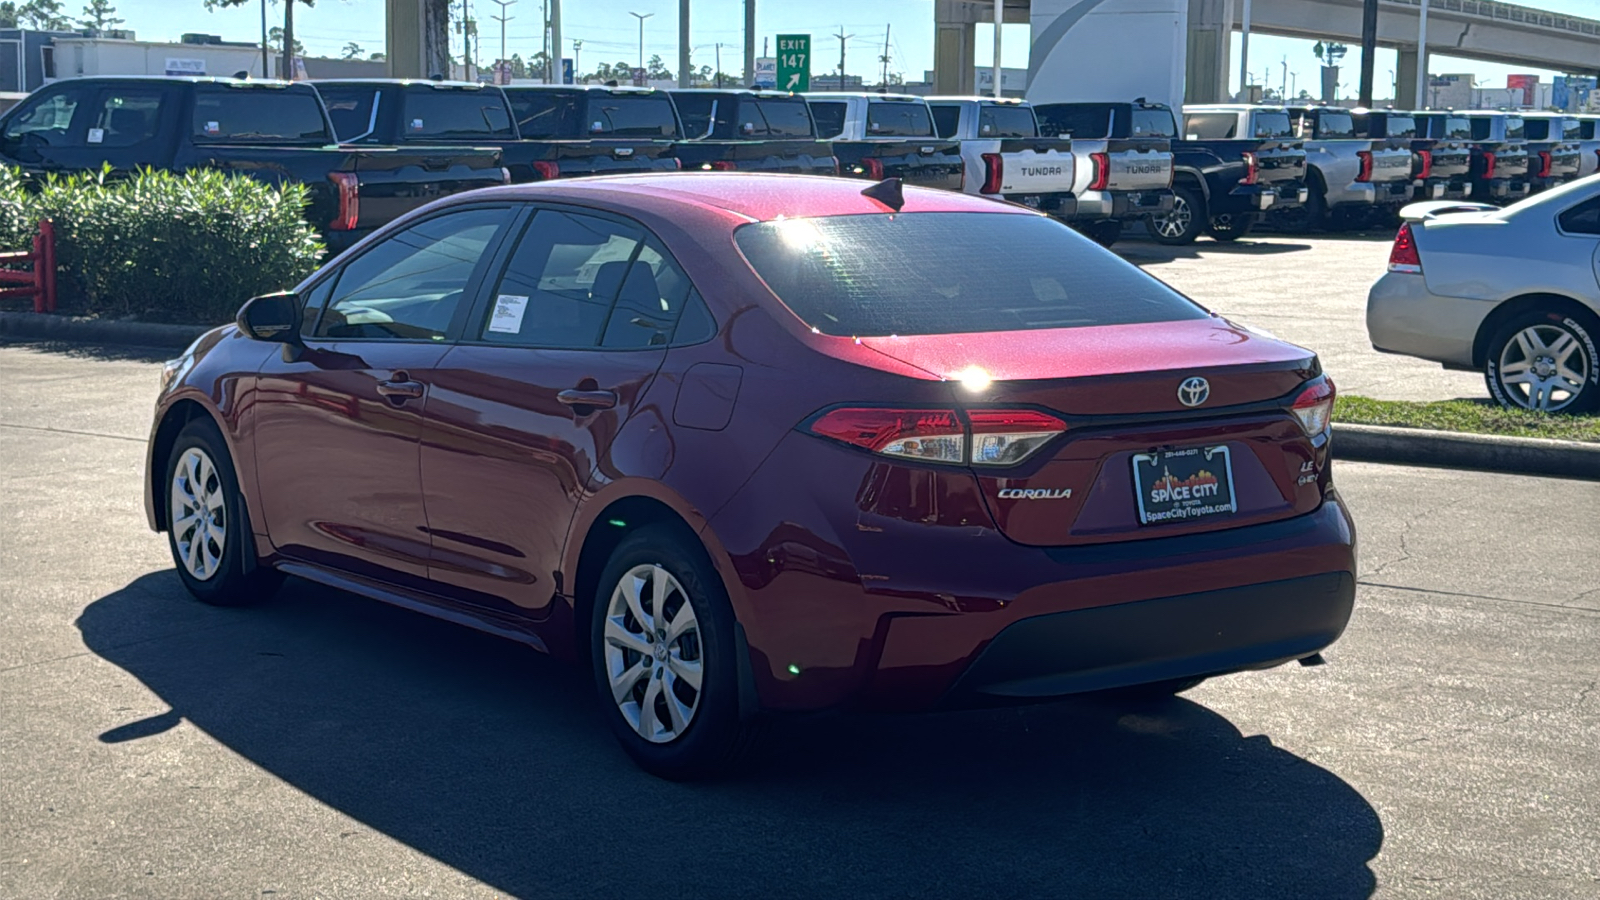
(1308, 217)
(1184, 223)
(1229, 227)
(1104, 233)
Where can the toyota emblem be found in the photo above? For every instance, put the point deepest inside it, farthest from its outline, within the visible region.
(1194, 391)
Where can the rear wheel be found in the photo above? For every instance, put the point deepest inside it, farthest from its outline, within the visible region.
(1545, 361)
(207, 529)
(664, 658)
(1104, 233)
(1309, 216)
(1230, 227)
(1184, 222)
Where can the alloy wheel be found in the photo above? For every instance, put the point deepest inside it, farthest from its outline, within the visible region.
(1176, 223)
(199, 514)
(653, 653)
(1544, 367)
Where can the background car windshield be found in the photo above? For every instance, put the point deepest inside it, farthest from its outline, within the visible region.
(459, 114)
(931, 273)
(898, 118)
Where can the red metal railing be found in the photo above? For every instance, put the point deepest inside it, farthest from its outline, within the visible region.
(39, 284)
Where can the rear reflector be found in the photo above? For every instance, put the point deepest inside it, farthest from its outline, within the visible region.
(1427, 163)
(547, 170)
(1544, 164)
(1488, 163)
(1403, 256)
(1252, 168)
(1102, 171)
(1366, 165)
(349, 190)
(994, 173)
(1314, 406)
(998, 437)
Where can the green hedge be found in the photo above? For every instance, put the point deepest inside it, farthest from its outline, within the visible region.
(163, 247)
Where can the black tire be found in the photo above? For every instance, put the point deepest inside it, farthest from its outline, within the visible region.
(1104, 233)
(234, 578)
(1184, 223)
(1230, 227)
(1575, 395)
(714, 739)
(1309, 216)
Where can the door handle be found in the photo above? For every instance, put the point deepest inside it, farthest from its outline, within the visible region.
(399, 390)
(592, 399)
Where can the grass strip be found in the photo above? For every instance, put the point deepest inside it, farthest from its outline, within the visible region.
(1466, 416)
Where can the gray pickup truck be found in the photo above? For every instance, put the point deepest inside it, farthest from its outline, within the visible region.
(1003, 154)
(1351, 181)
(1123, 156)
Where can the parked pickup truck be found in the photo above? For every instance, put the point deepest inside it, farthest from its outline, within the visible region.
(1230, 166)
(1588, 145)
(1499, 157)
(273, 131)
(1123, 156)
(1003, 154)
(879, 136)
(595, 130)
(1553, 151)
(1350, 181)
(750, 131)
(1441, 164)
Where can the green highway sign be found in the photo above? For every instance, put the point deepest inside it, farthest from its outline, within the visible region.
(794, 62)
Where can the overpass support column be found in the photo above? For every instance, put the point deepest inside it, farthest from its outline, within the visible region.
(1405, 96)
(954, 59)
(416, 38)
(1206, 67)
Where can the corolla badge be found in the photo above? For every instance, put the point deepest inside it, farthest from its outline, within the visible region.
(1194, 391)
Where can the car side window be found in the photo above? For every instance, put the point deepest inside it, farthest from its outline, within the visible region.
(408, 286)
(315, 300)
(126, 117)
(48, 118)
(650, 303)
(829, 118)
(561, 282)
(1582, 219)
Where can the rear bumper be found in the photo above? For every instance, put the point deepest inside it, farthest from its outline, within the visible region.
(1505, 188)
(1370, 194)
(1258, 198)
(1404, 317)
(1458, 188)
(1097, 206)
(1211, 633)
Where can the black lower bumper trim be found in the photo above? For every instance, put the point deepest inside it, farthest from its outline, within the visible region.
(1209, 633)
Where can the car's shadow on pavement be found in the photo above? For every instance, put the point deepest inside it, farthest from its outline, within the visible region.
(92, 351)
(493, 759)
(1147, 252)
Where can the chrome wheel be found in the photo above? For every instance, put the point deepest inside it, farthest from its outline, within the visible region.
(1176, 223)
(199, 509)
(1544, 367)
(653, 653)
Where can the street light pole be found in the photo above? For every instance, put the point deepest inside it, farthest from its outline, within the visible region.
(641, 17)
(503, 19)
(266, 66)
(999, 20)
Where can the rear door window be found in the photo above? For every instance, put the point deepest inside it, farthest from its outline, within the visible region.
(1006, 122)
(126, 117)
(455, 114)
(898, 118)
(1582, 219)
(923, 273)
(561, 281)
(547, 115)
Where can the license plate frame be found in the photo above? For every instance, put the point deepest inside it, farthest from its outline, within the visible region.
(1199, 492)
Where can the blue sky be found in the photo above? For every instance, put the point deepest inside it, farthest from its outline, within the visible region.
(609, 34)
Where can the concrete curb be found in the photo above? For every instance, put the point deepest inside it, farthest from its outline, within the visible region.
(43, 327)
(1488, 453)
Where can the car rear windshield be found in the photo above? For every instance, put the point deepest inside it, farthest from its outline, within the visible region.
(829, 117)
(1004, 122)
(784, 118)
(1453, 127)
(1483, 128)
(1332, 125)
(547, 115)
(1153, 123)
(1400, 127)
(1270, 124)
(258, 115)
(624, 115)
(898, 118)
(1089, 121)
(1217, 126)
(950, 273)
(455, 114)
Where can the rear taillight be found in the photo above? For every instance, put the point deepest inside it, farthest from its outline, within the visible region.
(997, 437)
(1366, 165)
(721, 165)
(547, 170)
(1252, 168)
(872, 168)
(1427, 163)
(1102, 171)
(348, 187)
(1544, 164)
(1314, 406)
(1403, 256)
(994, 173)
(1488, 164)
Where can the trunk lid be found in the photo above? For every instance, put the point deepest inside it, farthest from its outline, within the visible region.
(1036, 166)
(1117, 388)
(1139, 164)
(1451, 159)
(1280, 162)
(1390, 163)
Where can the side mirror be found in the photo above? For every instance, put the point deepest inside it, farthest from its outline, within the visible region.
(272, 317)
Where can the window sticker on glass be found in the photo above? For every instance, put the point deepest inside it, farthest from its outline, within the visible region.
(213, 128)
(97, 135)
(508, 310)
(416, 124)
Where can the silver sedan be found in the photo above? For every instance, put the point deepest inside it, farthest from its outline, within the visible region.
(1513, 292)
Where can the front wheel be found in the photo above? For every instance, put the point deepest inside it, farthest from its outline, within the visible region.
(1183, 223)
(664, 658)
(1229, 227)
(207, 529)
(1544, 361)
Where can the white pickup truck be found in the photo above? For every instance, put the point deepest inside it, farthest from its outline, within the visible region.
(1003, 154)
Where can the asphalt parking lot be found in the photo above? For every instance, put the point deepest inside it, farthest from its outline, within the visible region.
(328, 746)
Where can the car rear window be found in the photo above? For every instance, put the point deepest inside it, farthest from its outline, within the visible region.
(455, 114)
(258, 115)
(784, 118)
(898, 118)
(547, 115)
(1334, 125)
(1005, 122)
(950, 273)
(1154, 123)
(1270, 124)
(623, 115)
(1400, 127)
(1090, 121)
(1211, 126)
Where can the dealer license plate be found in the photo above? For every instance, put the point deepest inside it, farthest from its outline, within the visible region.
(1183, 485)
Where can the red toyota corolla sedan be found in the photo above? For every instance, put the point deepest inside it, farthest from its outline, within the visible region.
(749, 443)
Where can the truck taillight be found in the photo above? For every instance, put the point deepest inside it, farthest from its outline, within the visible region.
(996, 437)
(1488, 163)
(1102, 171)
(1403, 256)
(1366, 165)
(1314, 406)
(994, 173)
(872, 168)
(348, 187)
(547, 170)
(1252, 168)
(1427, 163)
(1544, 164)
